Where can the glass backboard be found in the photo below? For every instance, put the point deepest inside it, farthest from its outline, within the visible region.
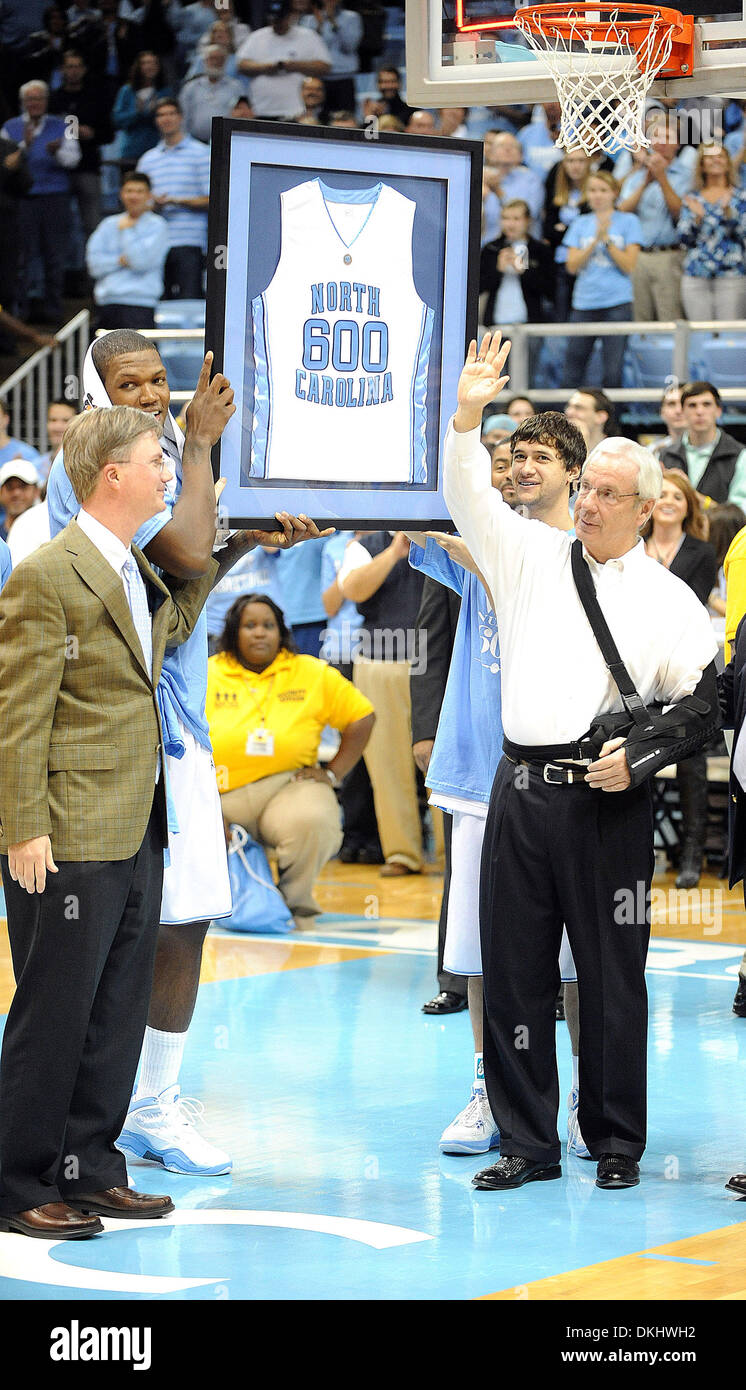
(459, 54)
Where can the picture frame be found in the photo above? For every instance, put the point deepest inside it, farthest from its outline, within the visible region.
(342, 291)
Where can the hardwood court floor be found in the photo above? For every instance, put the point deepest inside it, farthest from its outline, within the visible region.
(330, 1088)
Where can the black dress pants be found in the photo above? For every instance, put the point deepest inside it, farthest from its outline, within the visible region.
(83, 953)
(555, 854)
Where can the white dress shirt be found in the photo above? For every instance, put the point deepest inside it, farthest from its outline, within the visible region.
(117, 555)
(554, 678)
(110, 546)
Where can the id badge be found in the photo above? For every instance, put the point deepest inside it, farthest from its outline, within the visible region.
(260, 744)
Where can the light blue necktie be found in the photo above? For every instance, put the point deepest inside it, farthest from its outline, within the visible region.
(137, 598)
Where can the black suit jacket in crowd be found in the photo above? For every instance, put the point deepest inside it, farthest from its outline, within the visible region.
(536, 281)
(437, 618)
(732, 692)
(696, 563)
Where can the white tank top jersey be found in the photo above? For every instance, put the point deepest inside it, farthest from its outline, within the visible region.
(342, 343)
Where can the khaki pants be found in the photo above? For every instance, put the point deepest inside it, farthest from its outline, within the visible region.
(388, 758)
(300, 821)
(656, 280)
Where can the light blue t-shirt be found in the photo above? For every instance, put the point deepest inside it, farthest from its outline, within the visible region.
(257, 571)
(16, 449)
(600, 284)
(183, 684)
(300, 577)
(6, 564)
(469, 740)
(338, 646)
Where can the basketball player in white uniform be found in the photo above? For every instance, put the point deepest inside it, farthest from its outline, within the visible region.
(341, 338)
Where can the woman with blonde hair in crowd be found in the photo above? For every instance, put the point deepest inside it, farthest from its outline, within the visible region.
(675, 536)
(565, 200)
(602, 250)
(712, 228)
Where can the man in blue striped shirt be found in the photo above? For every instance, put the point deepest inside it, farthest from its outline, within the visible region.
(179, 173)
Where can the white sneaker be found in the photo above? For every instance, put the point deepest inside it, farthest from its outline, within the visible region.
(473, 1131)
(575, 1141)
(161, 1129)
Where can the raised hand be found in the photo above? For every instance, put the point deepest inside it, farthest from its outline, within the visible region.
(481, 380)
(211, 406)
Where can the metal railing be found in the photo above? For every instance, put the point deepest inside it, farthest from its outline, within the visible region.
(47, 375)
(28, 390)
(681, 330)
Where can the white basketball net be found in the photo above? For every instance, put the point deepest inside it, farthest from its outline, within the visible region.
(601, 82)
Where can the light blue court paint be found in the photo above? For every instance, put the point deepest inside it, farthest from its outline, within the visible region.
(330, 1088)
(679, 1260)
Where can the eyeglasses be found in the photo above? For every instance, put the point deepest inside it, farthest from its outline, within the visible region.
(607, 496)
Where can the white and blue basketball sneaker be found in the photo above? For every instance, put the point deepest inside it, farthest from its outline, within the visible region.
(575, 1141)
(161, 1129)
(473, 1131)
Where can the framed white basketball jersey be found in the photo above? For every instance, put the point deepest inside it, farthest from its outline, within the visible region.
(341, 342)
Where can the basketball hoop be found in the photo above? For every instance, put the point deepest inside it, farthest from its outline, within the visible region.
(604, 58)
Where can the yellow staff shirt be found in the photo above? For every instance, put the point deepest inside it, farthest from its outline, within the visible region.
(292, 701)
(734, 567)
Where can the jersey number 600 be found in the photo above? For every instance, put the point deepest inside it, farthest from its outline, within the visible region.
(346, 351)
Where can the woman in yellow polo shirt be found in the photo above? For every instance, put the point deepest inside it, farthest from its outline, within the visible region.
(266, 707)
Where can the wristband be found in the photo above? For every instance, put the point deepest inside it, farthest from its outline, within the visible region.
(333, 778)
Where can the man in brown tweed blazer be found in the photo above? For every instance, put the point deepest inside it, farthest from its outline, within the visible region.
(83, 827)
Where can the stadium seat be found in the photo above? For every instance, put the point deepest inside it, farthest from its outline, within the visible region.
(648, 359)
(182, 359)
(721, 359)
(180, 313)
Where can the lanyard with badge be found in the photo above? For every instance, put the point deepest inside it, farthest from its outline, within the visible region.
(260, 743)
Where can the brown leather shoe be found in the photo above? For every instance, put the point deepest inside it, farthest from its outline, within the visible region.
(53, 1221)
(397, 870)
(123, 1202)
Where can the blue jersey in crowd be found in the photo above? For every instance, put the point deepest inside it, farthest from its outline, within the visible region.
(338, 646)
(468, 744)
(256, 572)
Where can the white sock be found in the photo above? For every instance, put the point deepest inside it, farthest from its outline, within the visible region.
(160, 1062)
(479, 1072)
(575, 1081)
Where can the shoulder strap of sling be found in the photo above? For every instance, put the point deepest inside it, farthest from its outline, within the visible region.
(581, 574)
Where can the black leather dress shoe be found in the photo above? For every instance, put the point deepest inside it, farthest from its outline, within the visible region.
(123, 1202)
(617, 1170)
(447, 1002)
(739, 1003)
(514, 1171)
(53, 1221)
(737, 1184)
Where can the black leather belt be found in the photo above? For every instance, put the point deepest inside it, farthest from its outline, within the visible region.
(554, 774)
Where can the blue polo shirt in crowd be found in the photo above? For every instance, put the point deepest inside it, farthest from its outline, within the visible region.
(468, 744)
(183, 683)
(600, 284)
(300, 577)
(16, 449)
(658, 226)
(181, 171)
(519, 183)
(257, 571)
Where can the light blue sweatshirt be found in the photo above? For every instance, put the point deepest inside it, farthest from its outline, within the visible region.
(145, 245)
